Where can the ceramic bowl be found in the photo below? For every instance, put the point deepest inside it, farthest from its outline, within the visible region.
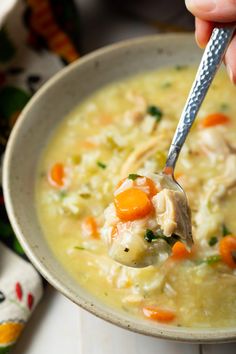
(30, 135)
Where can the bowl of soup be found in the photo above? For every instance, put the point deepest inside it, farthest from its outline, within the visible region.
(109, 116)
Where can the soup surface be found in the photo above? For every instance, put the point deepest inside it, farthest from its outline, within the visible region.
(126, 128)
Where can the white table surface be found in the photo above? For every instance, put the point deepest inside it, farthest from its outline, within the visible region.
(60, 327)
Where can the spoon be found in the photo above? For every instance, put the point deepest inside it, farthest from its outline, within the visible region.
(209, 65)
(131, 251)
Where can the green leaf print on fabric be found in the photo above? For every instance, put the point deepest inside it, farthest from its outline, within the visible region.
(12, 100)
(5, 350)
(7, 49)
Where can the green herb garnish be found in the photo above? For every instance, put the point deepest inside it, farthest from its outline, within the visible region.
(212, 259)
(62, 194)
(225, 230)
(79, 248)
(180, 67)
(155, 112)
(166, 84)
(85, 195)
(224, 107)
(150, 236)
(133, 176)
(101, 165)
(213, 240)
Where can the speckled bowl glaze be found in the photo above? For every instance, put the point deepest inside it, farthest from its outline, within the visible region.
(31, 133)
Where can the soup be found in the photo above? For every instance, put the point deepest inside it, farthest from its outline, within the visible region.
(126, 129)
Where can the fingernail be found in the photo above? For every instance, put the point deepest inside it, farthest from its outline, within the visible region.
(201, 5)
(230, 73)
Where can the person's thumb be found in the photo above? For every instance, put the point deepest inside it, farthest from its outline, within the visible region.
(213, 10)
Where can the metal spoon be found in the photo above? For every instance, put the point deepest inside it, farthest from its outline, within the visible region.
(209, 65)
(158, 251)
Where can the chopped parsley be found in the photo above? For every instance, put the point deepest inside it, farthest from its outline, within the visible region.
(180, 67)
(101, 165)
(155, 112)
(150, 236)
(225, 230)
(85, 195)
(213, 240)
(166, 84)
(224, 107)
(213, 259)
(79, 248)
(62, 194)
(133, 176)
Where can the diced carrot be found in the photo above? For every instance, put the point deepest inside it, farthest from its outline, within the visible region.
(227, 247)
(179, 251)
(214, 119)
(158, 314)
(168, 170)
(89, 227)
(132, 204)
(147, 186)
(143, 183)
(88, 144)
(56, 175)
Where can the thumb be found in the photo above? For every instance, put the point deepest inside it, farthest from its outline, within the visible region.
(213, 10)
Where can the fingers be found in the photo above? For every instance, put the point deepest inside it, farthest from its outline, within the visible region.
(230, 60)
(213, 10)
(203, 32)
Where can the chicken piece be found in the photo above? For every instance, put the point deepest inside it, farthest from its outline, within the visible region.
(213, 142)
(173, 214)
(142, 153)
(217, 187)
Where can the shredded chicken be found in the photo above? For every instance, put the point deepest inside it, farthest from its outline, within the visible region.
(173, 213)
(141, 154)
(215, 144)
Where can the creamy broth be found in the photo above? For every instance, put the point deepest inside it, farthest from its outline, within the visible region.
(95, 144)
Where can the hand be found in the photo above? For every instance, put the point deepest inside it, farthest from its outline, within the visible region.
(208, 13)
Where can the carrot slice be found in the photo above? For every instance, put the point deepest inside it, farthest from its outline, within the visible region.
(89, 226)
(56, 175)
(132, 204)
(143, 183)
(158, 314)
(227, 247)
(146, 185)
(179, 251)
(214, 119)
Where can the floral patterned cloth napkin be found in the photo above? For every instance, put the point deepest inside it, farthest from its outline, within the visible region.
(37, 38)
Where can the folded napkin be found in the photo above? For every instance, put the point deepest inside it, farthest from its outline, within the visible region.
(37, 38)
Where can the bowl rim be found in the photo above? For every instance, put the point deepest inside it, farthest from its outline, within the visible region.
(183, 334)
